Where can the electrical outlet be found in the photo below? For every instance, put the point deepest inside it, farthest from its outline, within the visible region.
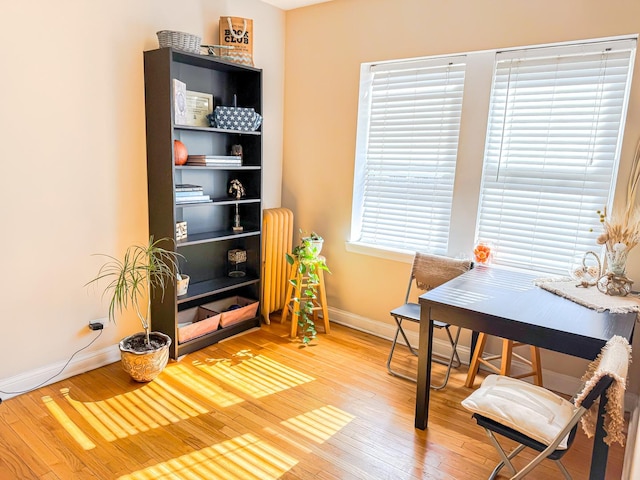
(99, 323)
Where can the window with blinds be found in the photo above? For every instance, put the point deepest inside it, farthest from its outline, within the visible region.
(553, 144)
(406, 153)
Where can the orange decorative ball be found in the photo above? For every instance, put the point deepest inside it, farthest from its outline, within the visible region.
(180, 153)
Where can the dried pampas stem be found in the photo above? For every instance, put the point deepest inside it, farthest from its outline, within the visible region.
(624, 224)
(632, 187)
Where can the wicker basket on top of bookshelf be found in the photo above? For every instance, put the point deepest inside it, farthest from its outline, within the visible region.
(179, 40)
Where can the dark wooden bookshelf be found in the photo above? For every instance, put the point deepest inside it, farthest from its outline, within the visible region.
(210, 235)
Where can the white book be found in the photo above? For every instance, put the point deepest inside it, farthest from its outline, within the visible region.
(193, 199)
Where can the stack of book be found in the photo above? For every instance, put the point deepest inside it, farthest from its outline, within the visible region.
(214, 160)
(187, 193)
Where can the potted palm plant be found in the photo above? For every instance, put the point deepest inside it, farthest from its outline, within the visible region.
(308, 265)
(143, 271)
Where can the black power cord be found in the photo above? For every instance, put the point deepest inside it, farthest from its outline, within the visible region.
(63, 368)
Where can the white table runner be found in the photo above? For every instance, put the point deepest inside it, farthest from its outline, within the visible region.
(589, 297)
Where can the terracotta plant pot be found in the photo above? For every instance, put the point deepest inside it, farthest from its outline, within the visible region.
(144, 365)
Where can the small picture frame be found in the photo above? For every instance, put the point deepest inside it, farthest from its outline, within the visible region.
(199, 105)
(179, 102)
(181, 230)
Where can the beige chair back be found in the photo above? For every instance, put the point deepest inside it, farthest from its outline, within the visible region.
(431, 271)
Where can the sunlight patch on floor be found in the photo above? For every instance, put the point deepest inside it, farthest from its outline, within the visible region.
(202, 386)
(257, 375)
(154, 405)
(291, 440)
(71, 428)
(320, 424)
(242, 458)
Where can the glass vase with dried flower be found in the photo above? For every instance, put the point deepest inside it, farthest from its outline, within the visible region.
(620, 234)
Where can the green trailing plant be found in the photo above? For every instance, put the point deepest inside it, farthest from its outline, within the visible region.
(143, 271)
(309, 263)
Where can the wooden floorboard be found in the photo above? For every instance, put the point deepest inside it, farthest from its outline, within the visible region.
(257, 406)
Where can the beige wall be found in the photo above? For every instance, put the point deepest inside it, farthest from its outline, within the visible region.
(325, 46)
(73, 156)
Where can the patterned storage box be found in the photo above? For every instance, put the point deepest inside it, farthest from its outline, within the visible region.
(236, 118)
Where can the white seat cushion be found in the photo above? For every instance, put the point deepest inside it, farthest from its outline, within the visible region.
(529, 409)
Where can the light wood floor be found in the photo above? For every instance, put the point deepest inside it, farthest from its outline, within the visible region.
(255, 407)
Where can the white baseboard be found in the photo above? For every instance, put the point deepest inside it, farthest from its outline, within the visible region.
(631, 465)
(27, 381)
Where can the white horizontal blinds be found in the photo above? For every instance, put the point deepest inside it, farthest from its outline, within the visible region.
(552, 151)
(411, 150)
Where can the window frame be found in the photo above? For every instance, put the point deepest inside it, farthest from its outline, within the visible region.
(473, 129)
(367, 116)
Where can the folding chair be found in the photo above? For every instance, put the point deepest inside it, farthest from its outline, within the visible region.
(428, 271)
(539, 419)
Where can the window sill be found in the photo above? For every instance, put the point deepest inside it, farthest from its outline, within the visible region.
(386, 253)
(406, 256)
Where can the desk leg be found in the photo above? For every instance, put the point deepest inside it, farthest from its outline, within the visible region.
(600, 449)
(474, 341)
(423, 390)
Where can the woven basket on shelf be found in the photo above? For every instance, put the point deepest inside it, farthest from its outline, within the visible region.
(179, 40)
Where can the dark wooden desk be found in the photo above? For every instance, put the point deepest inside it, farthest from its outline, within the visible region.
(506, 304)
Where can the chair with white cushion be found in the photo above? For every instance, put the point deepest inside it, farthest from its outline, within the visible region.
(539, 419)
(427, 271)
